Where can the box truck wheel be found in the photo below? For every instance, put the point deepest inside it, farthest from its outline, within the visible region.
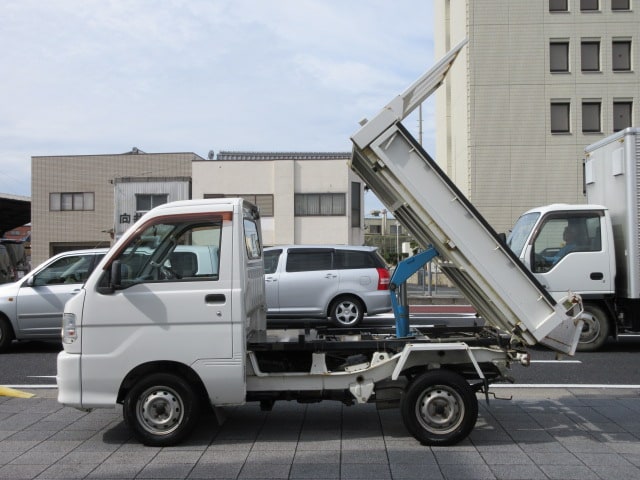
(439, 408)
(595, 330)
(162, 409)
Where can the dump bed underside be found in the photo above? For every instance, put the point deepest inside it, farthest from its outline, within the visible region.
(420, 195)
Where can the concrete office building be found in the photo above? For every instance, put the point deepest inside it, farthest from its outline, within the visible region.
(304, 198)
(538, 81)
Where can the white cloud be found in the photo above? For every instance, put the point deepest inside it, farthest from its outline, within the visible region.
(97, 76)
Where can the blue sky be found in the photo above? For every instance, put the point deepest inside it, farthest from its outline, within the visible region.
(103, 76)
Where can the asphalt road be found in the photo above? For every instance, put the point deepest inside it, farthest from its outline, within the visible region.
(34, 363)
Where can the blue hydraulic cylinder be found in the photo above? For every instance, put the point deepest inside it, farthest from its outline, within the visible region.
(403, 271)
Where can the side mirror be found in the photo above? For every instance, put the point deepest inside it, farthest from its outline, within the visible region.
(114, 281)
(503, 237)
(31, 281)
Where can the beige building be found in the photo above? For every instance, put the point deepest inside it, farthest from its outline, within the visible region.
(88, 201)
(304, 198)
(538, 81)
(75, 200)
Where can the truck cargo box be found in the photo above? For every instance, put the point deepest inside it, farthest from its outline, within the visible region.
(611, 173)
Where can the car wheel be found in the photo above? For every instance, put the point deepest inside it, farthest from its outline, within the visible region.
(162, 409)
(6, 334)
(439, 408)
(347, 311)
(595, 329)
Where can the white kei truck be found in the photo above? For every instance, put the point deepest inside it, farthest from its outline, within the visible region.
(165, 345)
(593, 248)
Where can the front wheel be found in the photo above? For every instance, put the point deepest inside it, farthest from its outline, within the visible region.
(346, 312)
(439, 408)
(595, 329)
(162, 409)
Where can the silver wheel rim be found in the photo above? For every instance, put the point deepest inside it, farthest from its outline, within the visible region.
(346, 313)
(590, 329)
(160, 410)
(440, 409)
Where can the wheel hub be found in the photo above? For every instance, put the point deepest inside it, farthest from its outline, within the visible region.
(160, 411)
(440, 410)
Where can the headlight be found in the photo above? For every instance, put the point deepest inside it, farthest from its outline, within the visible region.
(69, 332)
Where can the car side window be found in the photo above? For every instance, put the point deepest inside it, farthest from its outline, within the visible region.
(303, 260)
(271, 259)
(70, 269)
(351, 259)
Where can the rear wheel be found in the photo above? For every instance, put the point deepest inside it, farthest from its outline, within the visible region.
(162, 409)
(6, 334)
(595, 329)
(439, 408)
(346, 311)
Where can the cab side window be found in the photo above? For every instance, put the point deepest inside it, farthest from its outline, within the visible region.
(560, 236)
(171, 252)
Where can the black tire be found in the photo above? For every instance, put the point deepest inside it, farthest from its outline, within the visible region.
(595, 330)
(439, 408)
(347, 311)
(6, 334)
(161, 409)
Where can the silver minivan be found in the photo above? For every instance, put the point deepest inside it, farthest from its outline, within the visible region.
(340, 282)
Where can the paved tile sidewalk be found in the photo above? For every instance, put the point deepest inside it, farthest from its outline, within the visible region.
(540, 434)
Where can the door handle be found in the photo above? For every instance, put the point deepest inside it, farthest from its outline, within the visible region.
(215, 298)
(596, 276)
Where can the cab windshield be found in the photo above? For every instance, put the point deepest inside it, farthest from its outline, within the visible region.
(521, 231)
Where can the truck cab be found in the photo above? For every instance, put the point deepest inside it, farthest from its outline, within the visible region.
(571, 246)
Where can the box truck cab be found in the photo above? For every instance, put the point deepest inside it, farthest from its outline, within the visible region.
(592, 249)
(571, 247)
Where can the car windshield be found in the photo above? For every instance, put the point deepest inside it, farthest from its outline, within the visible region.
(521, 231)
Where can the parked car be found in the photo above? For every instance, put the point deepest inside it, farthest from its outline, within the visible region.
(31, 308)
(337, 281)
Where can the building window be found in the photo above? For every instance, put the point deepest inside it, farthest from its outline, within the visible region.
(375, 229)
(319, 204)
(590, 56)
(560, 117)
(589, 5)
(620, 5)
(356, 209)
(264, 202)
(395, 229)
(621, 115)
(67, 201)
(591, 117)
(558, 6)
(147, 201)
(621, 55)
(559, 56)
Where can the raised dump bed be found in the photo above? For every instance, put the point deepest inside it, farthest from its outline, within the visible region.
(421, 196)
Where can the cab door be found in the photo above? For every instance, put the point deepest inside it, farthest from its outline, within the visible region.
(156, 315)
(570, 252)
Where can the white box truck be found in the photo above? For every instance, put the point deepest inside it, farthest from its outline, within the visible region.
(164, 344)
(594, 248)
